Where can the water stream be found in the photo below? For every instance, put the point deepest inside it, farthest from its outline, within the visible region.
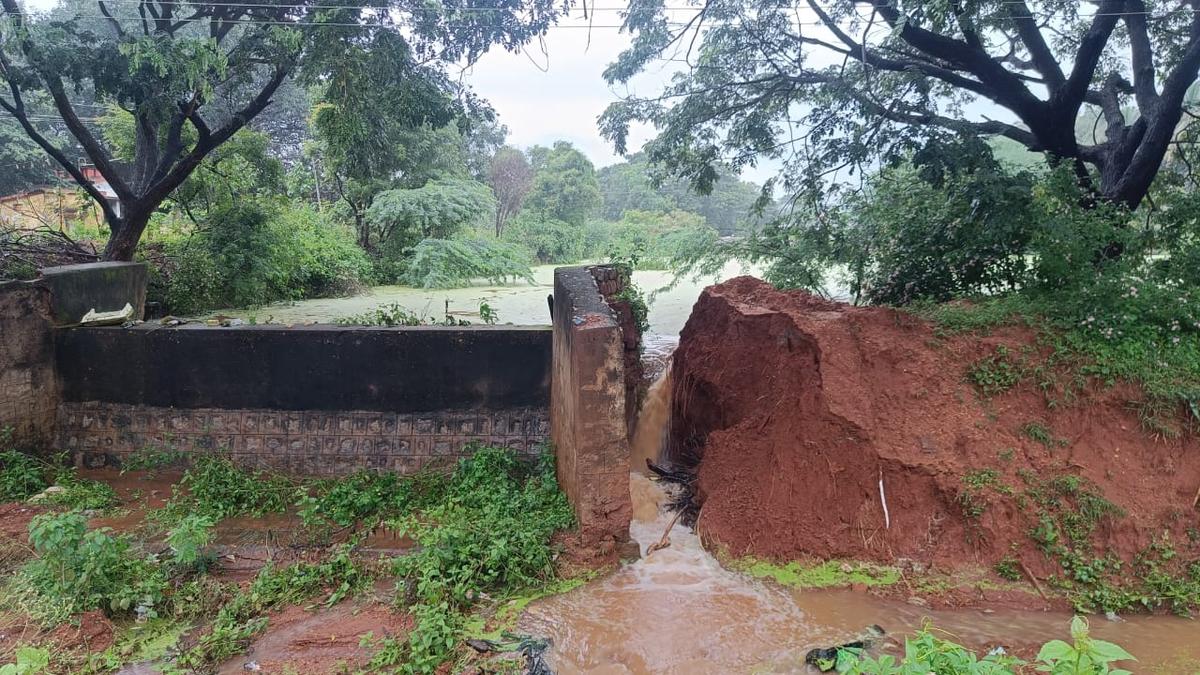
(678, 611)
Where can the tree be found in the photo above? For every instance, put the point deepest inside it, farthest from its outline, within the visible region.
(436, 210)
(565, 186)
(834, 85)
(636, 185)
(166, 61)
(511, 178)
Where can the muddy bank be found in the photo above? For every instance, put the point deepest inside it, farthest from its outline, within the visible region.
(818, 429)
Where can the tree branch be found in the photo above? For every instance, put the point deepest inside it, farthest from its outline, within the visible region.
(1041, 57)
(1141, 56)
(1091, 48)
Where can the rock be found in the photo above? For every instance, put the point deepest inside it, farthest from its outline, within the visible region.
(629, 551)
(46, 494)
(918, 602)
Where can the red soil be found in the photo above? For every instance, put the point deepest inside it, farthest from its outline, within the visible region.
(798, 407)
(325, 641)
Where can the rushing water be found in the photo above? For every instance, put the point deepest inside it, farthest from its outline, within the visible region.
(678, 611)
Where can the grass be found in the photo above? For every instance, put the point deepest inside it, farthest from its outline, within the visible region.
(1164, 364)
(996, 373)
(827, 574)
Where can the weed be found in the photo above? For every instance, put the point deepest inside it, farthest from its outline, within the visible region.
(1006, 455)
(489, 534)
(81, 493)
(152, 458)
(368, 497)
(997, 373)
(972, 498)
(1039, 432)
(827, 574)
(21, 476)
(30, 661)
(243, 616)
(187, 541)
(215, 488)
(1008, 568)
(77, 570)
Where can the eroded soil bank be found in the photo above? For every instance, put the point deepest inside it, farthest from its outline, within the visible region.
(817, 429)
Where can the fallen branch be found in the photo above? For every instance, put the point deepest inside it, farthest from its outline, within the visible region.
(1036, 584)
(665, 540)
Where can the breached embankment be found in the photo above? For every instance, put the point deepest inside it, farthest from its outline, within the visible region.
(818, 429)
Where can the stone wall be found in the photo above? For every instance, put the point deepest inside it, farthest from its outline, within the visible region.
(587, 409)
(308, 400)
(28, 388)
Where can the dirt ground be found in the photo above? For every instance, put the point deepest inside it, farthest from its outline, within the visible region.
(826, 430)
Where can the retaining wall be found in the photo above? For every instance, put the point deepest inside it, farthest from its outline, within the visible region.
(309, 400)
(588, 408)
(28, 387)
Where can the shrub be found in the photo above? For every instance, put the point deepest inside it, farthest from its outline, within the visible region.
(490, 533)
(83, 569)
(447, 263)
(547, 240)
(214, 488)
(255, 253)
(21, 475)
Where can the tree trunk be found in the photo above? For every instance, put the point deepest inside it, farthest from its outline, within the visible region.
(122, 243)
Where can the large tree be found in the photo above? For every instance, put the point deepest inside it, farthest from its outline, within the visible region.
(511, 177)
(828, 85)
(564, 185)
(166, 62)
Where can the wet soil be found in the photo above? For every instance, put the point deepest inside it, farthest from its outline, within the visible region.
(825, 430)
(323, 640)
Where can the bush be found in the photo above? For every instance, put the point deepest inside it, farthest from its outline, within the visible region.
(81, 569)
(255, 253)
(547, 240)
(216, 489)
(654, 240)
(447, 263)
(489, 534)
(21, 475)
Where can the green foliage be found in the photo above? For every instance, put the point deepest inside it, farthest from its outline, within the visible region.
(825, 574)
(448, 263)
(654, 240)
(634, 185)
(252, 253)
(81, 569)
(214, 488)
(489, 533)
(243, 616)
(632, 295)
(436, 210)
(367, 498)
(389, 314)
(1039, 432)
(1009, 569)
(30, 661)
(548, 240)
(973, 495)
(564, 185)
(926, 653)
(81, 493)
(21, 475)
(997, 373)
(187, 540)
(1086, 655)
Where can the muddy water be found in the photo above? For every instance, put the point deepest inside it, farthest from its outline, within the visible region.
(678, 611)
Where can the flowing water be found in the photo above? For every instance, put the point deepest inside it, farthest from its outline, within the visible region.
(678, 611)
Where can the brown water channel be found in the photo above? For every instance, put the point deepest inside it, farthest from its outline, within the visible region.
(677, 610)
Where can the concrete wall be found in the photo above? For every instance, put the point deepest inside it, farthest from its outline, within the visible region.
(105, 287)
(28, 387)
(311, 400)
(587, 410)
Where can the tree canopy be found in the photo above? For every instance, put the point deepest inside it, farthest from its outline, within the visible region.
(564, 185)
(193, 74)
(833, 86)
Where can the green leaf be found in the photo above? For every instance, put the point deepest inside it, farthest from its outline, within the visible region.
(1107, 651)
(1055, 650)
